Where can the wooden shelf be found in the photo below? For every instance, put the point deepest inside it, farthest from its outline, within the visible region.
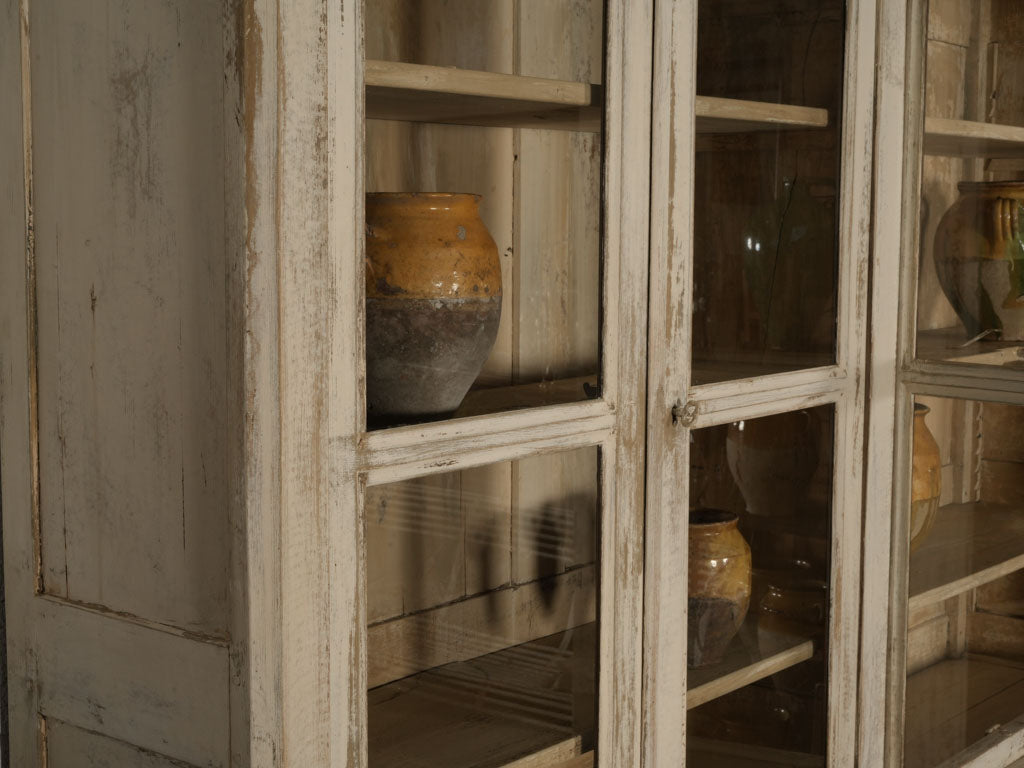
(427, 94)
(527, 706)
(534, 395)
(712, 753)
(514, 706)
(970, 545)
(953, 704)
(716, 115)
(967, 138)
(951, 345)
(743, 664)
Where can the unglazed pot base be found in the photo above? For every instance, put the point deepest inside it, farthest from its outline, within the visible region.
(433, 303)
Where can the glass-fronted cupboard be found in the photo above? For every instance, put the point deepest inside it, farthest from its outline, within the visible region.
(951, 175)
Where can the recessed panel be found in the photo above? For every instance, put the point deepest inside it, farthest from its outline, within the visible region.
(128, 153)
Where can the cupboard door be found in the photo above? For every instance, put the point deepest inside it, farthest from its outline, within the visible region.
(118, 136)
(945, 511)
(755, 420)
(498, 446)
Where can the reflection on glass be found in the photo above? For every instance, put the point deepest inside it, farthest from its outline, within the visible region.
(766, 254)
(970, 285)
(760, 536)
(482, 598)
(965, 640)
(539, 198)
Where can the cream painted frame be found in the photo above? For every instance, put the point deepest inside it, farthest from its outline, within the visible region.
(675, 406)
(308, 675)
(897, 377)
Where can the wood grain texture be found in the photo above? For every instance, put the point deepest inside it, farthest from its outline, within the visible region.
(952, 705)
(148, 688)
(71, 747)
(668, 374)
(625, 238)
(971, 544)
(131, 304)
(967, 138)
(742, 665)
(18, 459)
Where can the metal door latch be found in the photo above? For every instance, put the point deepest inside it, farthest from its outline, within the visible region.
(684, 415)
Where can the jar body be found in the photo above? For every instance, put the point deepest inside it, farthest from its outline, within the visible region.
(433, 303)
(979, 258)
(719, 584)
(926, 479)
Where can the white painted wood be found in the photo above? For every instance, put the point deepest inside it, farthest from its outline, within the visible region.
(970, 545)
(148, 688)
(17, 415)
(133, 539)
(717, 115)
(130, 288)
(668, 373)
(742, 665)
(425, 93)
(895, 181)
(969, 138)
(626, 190)
(842, 384)
(71, 747)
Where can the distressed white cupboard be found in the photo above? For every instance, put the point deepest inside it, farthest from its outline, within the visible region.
(948, 612)
(211, 560)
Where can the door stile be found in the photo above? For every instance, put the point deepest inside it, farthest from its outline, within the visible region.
(626, 198)
(18, 468)
(668, 365)
(890, 201)
(348, 721)
(842, 384)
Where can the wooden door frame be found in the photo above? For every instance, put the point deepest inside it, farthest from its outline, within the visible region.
(897, 377)
(676, 406)
(309, 457)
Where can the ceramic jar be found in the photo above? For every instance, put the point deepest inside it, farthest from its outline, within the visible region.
(719, 584)
(433, 303)
(773, 460)
(926, 479)
(979, 258)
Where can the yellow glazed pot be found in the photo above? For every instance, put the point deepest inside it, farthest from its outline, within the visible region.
(926, 479)
(719, 584)
(433, 303)
(979, 258)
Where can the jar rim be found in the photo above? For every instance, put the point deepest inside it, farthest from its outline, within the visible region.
(707, 516)
(389, 196)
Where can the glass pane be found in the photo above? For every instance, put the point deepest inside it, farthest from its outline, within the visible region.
(971, 285)
(965, 640)
(758, 605)
(767, 208)
(484, 295)
(482, 609)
